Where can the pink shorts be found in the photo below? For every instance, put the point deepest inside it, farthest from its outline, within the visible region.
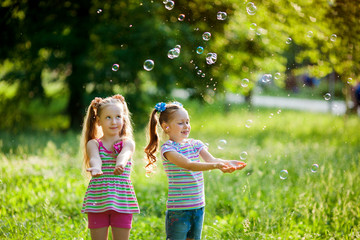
(109, 218)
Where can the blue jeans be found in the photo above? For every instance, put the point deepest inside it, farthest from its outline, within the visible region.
(182, 224)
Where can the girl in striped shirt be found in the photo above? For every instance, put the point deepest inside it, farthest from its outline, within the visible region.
(184, 170)
(108, 147)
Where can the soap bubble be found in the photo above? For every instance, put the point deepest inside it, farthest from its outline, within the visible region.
(99, 11)
(211, 58)
(333, 37)
(115, 67)
(277, 75)
(314, 168)
(266, 78)
(245, 82)
(199, 50)
(243, 155)
(289, 40)
(350, 81)
(221, 144)
(310, 34)
(251, 8)
(206, 36)
(199, 72)
(174, 53)
(149, 65)
(248, 123)
(181, 17)
(253, 26)
(283, 174)
(221, 16)
(169, 5)
(327, 96)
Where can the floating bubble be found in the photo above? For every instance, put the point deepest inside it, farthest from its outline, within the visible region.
(181, 17)
(203, 75)
(221, 16)
(99, 11)
(245, 82)
(310, 34)
(199, 50)
(174, 53)
(221, 144)
(115, 67)
(248, 123)
(277, 75)
(243, 155)
(251, 8)
(266, 78)
(199, 72)
(169, 5)
(284, 174)
(289, 40)
(333, 37)
(149, 65)
(211, 58)
(271, 115)
(206, 36)
(253, 26)
(327, 96)
(279, 111)
(314, 168)
(350, 81)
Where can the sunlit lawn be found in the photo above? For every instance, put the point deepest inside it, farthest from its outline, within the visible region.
(42, 185)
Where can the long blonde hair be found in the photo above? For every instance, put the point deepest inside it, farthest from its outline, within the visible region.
(153, 136)
(90, 128)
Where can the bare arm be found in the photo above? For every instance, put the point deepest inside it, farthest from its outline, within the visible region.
(182, 161)
(92, 149)
(124, 156)
(232, 164)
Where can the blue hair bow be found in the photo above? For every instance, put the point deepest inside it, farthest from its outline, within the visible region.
(160, 107)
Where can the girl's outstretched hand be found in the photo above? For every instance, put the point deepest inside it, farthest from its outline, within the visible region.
(119, 169)
(233, 165)
(238, 165)
(95, 172)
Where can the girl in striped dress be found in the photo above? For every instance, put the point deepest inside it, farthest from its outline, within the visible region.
(184, 170)
(108, 147)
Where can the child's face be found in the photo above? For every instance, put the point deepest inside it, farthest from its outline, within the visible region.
(178, 128)
(111, 119)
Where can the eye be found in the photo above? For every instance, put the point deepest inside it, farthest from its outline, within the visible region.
(118, 117)
(107, 117)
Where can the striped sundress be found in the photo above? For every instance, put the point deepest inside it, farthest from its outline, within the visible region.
(109, 191)
(186, 187)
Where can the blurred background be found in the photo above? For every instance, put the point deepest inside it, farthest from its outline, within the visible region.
(56, 56)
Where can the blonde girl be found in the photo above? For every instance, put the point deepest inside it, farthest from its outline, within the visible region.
(184, 170)
(108, 146)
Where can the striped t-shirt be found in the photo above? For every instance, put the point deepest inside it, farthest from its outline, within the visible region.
(186, 187)
(109, 191)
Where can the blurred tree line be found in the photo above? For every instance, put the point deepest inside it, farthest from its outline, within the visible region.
(55, 56)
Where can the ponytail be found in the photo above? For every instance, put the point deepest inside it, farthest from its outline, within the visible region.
(90, 130)
(153, 145)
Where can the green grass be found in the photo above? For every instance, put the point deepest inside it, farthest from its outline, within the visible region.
(42, 185)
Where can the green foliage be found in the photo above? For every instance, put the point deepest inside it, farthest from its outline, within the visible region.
(42, 184)
(75, 45)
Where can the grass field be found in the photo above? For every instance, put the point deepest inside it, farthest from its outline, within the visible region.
(42, 185)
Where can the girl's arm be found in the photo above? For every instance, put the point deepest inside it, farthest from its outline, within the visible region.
(182, 161)
(92, 149)
(232, 164)
(124, 156)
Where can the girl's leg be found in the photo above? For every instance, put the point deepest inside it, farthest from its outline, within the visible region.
(99, 233)
(120, 233)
